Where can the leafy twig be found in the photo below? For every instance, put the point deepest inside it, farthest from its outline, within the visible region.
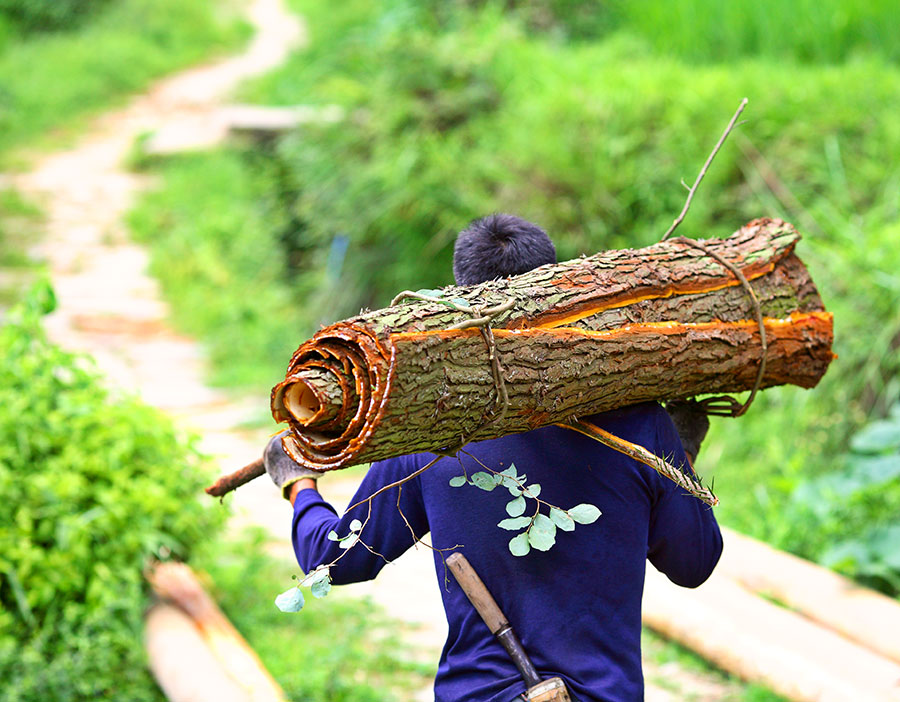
(539, 529)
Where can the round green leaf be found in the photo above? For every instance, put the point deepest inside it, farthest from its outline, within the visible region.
(320, 588)
(877, 437)
(515, 523)
(584, 513)
(323, 572)
(543, 523)
(542, 534)
(349, 542)
(533, 490)
(355, 525)
(519, 546)
(483, 480)
(458, 481)
(515, 507)
(333, 535)
(562, 520)
(290, 600)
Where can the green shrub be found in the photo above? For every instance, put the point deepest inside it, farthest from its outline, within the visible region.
(852, 516)
(94, 484)
(48, 14)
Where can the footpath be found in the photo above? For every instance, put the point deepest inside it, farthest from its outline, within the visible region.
(110, 308)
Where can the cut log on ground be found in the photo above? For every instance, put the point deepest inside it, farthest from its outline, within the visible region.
(571, 339)
(759, 641)
(195, 653)
(858, 613)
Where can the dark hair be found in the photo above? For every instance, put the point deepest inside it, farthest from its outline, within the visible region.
(497, 246)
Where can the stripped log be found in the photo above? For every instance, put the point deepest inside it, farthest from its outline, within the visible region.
(758, 641)
(579, 337)
(858, 613)
(189, 621)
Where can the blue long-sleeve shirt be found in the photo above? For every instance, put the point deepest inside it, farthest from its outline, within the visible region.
(576, 607)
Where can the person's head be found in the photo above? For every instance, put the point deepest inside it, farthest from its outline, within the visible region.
(498, 246)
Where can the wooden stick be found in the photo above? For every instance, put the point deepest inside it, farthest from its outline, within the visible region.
(229, 482)
(703, 170)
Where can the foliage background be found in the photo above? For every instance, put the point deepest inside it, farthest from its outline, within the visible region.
(94, 485)
(62, 60)
(583, 118)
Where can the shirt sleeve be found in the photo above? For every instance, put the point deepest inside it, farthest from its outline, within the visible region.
(684, 540)
(394, 522)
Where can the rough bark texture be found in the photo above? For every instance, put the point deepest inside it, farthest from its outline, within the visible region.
(583, 336)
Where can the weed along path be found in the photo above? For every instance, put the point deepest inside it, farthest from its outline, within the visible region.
(110, 308)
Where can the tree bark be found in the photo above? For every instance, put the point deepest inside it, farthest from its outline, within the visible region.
(579, 337)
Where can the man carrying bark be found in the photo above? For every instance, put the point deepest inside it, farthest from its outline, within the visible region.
(576, 607)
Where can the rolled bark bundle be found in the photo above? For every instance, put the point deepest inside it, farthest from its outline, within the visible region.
(574, 338)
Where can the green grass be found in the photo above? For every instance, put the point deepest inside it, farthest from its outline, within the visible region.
(212, 229)
(809, 31)
(339, 649)
(709, 31)
(49, 82)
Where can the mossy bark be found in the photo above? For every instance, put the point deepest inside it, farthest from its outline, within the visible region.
(583, 336)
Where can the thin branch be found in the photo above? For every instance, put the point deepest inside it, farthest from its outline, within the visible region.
(703, 170)
(416, 539)
(387, 487)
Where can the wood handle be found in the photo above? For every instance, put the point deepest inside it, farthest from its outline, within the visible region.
(229, 482)
(477, 593)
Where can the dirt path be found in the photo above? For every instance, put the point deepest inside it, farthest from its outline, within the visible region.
(110, 308)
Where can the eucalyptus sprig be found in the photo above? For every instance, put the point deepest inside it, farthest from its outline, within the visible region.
(318, 580)
(539, 529)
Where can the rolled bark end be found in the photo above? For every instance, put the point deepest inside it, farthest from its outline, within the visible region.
(301, 402)
(312, 397)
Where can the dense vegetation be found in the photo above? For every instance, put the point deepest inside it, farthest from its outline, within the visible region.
(43, 15)
(97, 484)
(454, 110)
(50, 79)
(94, 482)
(94, 485)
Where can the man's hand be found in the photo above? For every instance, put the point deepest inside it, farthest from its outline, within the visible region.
(691, 423)
(282, 469)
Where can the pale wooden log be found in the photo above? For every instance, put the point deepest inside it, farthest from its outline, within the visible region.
(861, 614)
(742, 633)
(182, 662)
(176, 583)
